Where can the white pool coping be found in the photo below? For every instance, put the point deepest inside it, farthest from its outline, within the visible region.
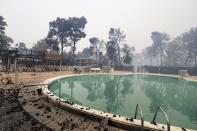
(120, 119)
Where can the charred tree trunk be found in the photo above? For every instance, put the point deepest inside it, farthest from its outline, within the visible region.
(119, 55)
(195, 55)
(73, 50)
(163, 57)
(62, 50)
(187, 58)
(161, 60)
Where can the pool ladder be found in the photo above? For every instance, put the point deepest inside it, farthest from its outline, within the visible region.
(139, 110)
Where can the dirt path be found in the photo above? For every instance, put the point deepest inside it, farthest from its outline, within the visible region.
(36, 77)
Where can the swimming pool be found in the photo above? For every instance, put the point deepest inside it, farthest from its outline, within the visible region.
(119, 94)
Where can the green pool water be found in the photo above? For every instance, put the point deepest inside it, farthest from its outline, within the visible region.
(119, 94)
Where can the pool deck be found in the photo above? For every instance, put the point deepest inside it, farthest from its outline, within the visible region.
(49, 116)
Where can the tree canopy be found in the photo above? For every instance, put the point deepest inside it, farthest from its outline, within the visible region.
(117, 36)
(41, 45)
(179, 51)
(21, 45)
(4, 39)
(127, 53)
(67, 31)
(118, 51)
(159, 44)
(76, 31)
(112, 52)
(97, 46)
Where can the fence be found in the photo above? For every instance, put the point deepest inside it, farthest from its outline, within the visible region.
(170, 70)
(159, 69)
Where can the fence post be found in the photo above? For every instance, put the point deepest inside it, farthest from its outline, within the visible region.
(16, 72)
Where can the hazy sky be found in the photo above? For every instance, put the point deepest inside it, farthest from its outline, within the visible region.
(28, 19)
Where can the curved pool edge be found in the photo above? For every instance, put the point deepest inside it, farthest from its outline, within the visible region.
(113, 120)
